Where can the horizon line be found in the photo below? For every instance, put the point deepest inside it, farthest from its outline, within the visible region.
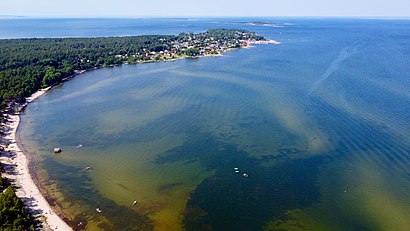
(200, 17)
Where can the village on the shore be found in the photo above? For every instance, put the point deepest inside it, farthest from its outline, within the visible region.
(210, 43)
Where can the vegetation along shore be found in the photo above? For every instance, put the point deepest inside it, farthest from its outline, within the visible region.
(29, 67)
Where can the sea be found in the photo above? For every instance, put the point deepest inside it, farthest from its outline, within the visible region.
(310, 134)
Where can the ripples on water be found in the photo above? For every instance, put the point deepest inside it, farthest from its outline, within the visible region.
(319, 123)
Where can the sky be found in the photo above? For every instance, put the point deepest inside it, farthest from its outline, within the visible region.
(204, 8)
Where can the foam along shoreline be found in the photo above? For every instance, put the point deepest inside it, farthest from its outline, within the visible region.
(21, 178)
(269, 41)
(249, 43)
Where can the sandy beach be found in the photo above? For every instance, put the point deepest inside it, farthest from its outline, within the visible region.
(19, 174)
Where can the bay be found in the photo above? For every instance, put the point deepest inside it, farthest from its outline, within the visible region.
(319, 123)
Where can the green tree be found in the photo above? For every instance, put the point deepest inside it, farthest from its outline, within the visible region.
(51, 76)
(192, 52)
(13, 215)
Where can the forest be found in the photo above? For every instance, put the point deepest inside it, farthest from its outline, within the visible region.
(27, 65)
(13, 214)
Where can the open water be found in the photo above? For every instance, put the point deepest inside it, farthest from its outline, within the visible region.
(320, 124)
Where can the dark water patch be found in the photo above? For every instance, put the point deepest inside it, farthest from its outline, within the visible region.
(209, 152)
(229, 201)
(235, 201)
(77, 188)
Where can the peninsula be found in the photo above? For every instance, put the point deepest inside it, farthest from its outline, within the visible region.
(29, 65)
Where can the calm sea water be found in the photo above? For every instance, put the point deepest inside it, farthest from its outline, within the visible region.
(320, 123)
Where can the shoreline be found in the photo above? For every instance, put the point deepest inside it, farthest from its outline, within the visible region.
(21, 177)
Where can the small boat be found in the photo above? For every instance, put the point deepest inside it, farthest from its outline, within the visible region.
(236, 169)
(245, 174)
(80, 146)
(98, 210)
(134, 203)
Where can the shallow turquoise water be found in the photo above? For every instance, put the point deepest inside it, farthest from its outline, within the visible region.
(319, 123)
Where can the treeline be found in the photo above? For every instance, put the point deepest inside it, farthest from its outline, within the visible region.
(27, 65)
(225, 34)
(13, 215)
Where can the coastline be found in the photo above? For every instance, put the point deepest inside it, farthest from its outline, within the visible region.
(18, 158)
(21, 177)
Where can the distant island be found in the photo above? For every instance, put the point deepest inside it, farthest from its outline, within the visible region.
(258, 23)
(27, 65)
(6, 16)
